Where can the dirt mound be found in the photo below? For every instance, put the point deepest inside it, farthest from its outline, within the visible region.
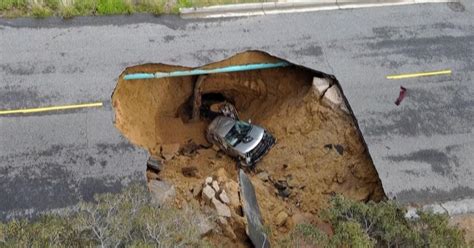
(319, 149)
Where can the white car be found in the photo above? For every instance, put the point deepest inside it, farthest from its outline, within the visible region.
(246, 142)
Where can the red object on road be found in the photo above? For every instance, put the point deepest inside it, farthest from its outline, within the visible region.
(403, 91)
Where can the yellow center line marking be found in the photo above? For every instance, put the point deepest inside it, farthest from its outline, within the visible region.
(51, 108)
(419, 74)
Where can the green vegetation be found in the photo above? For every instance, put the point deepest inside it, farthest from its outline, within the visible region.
(383, 224)
(129, 219)
(124, 220)
(71, 8)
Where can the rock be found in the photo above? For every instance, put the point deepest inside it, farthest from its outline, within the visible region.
(204, 226)
(215, 186)
(189, 149)
(221, 175)
(334, 96)
(292, 182)
(222, 221)
(168, 151)
(150, 175)
(224, 198)
(339, 149)
(226, 228)
(208, 180)
(232, 191)
(263, 176)
(281, 184)
(197, 190)
(190, 171)
(284, 192)
(208, 194)
(161, 192)
(280, 219)
(222, 209)
(320, 85)
(154, 164)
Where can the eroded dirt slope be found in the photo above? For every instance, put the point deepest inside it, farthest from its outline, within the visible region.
(319, 150)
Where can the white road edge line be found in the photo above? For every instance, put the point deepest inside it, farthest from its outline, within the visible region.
(256, 9)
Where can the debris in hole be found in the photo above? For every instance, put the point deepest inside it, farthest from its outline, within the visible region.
(287, 101)
(189, 149)
(244, 141)
(154, 164)
(283, 188)
(401, 95)
(226, 109)
(252, 212)
(339, 148)
(328, 146)
(263, 176)
(281, 218)
(169, 151)
(190, 171)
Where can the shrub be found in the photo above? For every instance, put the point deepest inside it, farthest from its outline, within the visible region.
(124, 219)
(383, 224)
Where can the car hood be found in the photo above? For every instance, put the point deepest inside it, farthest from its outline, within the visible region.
(257, 134)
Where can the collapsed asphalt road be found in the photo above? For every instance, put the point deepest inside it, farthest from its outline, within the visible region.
(421, 148)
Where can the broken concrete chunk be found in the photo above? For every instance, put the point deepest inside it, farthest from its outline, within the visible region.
(208, 194)
(251, 211)
(280, 219)
(233, 194)
(168, 151)
(208, 180)
(223, 197)
(334, 96)
(215, 186)
(222, 209)
(321, 85)
(263, 176)
(197, 190)
(161, 192)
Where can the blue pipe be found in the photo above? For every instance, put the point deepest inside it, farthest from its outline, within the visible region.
(233, 68)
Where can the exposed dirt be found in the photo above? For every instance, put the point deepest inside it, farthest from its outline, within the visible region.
(319, 150)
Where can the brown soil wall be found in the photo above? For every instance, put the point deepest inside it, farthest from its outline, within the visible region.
(151, 113)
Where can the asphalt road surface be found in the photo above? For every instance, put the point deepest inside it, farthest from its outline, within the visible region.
(422, 149)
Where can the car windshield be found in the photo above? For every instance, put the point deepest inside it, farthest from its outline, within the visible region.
(237, 133)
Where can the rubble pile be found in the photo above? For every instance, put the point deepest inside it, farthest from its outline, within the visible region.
(319, 149)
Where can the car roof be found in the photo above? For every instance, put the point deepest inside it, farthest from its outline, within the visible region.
(221, 125)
